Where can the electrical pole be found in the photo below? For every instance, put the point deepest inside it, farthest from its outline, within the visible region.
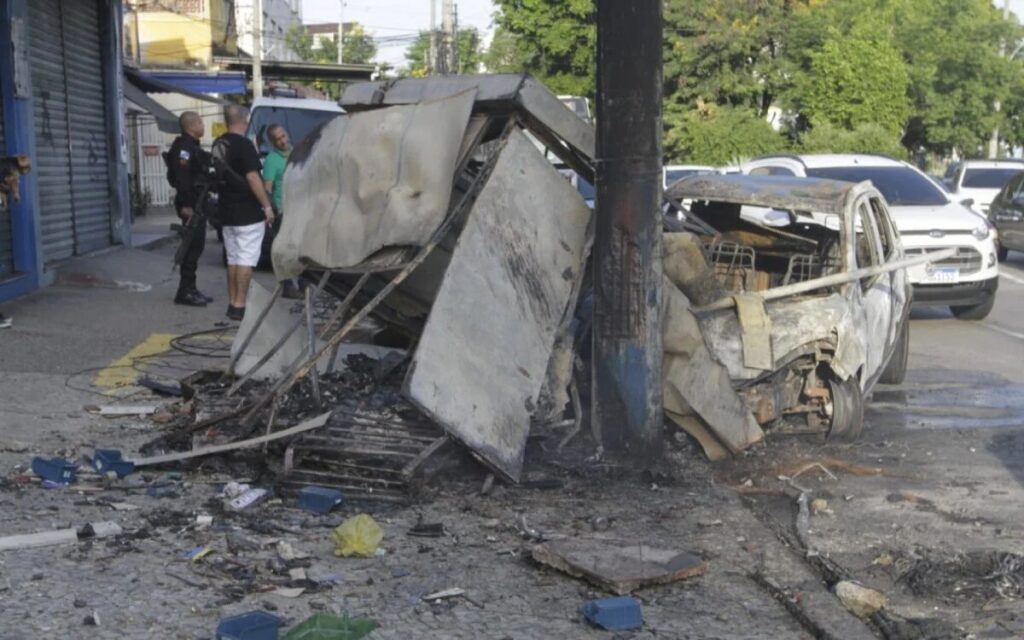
(447, 25)
(432, 60)
(257, 49)
(627, 397)
(341, 33)
(993, 143)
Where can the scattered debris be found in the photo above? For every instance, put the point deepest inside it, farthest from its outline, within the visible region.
(613, 614)
(319, 499)
(820, 506)
(107, 460)
(976, 576)
(861, 601)
(169, 388)
(445, 594)
(619, 568)
(426, 530)
(255, 625)
(247, 499)
(56, 470)
(40, 539)
(358, 536)
(324, 626)
(99, 530)
(289, 592)
(122, 411)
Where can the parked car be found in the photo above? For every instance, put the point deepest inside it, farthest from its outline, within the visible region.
(1007, 214)
(824, 348)
(927, 219)
(981, 180)
(300, 117)
(673, 173)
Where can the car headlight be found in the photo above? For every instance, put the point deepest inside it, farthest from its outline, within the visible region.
(982, 232)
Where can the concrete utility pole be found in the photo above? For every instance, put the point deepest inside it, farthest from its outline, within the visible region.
(447, 27)
(432, 60)
(341, 33)
(627, 398)
(257, 48)
(993, 143)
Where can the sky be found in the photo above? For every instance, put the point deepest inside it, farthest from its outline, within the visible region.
(395, 22)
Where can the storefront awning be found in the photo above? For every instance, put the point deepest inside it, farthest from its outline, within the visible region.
(193, 85)
(166, 120)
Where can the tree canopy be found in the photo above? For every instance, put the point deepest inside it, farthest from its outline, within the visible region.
(901, 76)
(469, 50)
(359, 47)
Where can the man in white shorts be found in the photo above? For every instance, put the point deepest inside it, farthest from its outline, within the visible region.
(245, 209)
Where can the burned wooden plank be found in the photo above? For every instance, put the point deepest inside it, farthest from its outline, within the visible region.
(620, 568)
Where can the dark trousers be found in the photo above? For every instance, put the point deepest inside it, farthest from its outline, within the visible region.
(190, 263)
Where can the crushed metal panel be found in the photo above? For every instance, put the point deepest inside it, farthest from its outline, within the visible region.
(756, 328)
(484, 352)
(790, 193)
(371, 180)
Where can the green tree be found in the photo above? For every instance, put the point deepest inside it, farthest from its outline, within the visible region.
(505, 55)
(359, 46)
(718, 134)
(855, 80)
(300, 41)
(469, 50)
(865, 137)
(555, 40)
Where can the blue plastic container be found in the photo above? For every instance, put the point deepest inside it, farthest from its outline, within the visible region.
(319, 499)
(55, 470)
(614, 614)
(104, 460)
(255, 625)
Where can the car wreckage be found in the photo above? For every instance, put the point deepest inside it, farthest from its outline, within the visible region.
(433, 205)
(800, 293)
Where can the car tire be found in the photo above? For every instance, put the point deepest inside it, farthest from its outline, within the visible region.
(1002, 253)
(975, 311)
(847, 410)
(896, 371)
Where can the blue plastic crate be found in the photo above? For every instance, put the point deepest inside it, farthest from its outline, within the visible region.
(104, 460)
(319, 499)
(255, 625)
(55, 470)
(614, 614)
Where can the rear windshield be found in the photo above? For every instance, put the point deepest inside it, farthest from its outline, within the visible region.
(298, 123)
(988, 178)
(901, 186)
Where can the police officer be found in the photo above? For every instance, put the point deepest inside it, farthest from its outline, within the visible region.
(187, 165)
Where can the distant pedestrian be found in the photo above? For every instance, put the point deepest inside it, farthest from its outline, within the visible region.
(245, 209)
(186, 170)
(273, 177)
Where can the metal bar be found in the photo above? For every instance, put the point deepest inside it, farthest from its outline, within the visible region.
(259, 322)
(345, 304)
(832, 280)
(627, 399)
(311, 335)
(277, 347)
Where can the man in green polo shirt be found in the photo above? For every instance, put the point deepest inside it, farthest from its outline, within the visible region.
(273, 178)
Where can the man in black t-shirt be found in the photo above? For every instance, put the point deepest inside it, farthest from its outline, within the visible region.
(245, 209)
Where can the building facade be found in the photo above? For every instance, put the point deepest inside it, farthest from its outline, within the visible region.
(279, 16)
(61, 90)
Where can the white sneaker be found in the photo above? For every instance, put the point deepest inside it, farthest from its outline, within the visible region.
(5, 322)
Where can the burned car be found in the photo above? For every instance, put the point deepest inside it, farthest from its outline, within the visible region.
(800, 292)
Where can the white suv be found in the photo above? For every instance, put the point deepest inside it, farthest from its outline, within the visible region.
(981, 180)
(927, 220)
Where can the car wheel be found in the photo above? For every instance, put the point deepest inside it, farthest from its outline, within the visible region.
(1002, 253)
(896, 370)
(847, 410)
(976, 311)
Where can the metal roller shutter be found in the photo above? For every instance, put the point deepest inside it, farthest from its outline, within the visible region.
(6, 248)
(70, 127)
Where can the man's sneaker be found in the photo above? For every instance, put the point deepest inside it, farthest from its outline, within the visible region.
(5, 322)
(202, 295)
(236, 313)
(190, 298)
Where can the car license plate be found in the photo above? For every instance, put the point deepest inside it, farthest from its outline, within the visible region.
(942, 275)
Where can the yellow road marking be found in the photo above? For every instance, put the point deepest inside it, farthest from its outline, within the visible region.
(121, 372)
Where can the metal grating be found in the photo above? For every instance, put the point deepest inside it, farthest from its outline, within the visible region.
(808, 266)
(733, 264)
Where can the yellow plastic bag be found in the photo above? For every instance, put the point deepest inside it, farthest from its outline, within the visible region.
(358, 536)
